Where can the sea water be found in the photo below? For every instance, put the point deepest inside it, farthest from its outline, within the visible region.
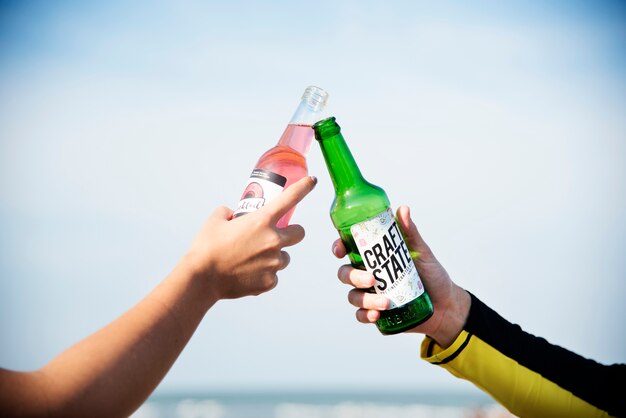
(320, 405)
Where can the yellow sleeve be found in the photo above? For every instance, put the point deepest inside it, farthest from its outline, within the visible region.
(523, 392)
(526, 374)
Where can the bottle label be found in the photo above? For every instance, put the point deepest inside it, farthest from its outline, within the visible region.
(387, 257)
(262, 187)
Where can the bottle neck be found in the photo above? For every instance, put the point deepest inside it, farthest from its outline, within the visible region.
(311, 107)
(342, 168)
(298, 135)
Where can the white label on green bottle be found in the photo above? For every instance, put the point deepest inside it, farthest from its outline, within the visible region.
(387, 257)
(262, 187)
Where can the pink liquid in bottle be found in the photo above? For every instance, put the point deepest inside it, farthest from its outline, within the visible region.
(288, 159)
(285, 163)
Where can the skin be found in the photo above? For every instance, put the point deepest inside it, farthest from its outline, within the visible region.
(451, 302)
(113, 371)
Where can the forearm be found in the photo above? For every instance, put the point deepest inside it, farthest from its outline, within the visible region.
(111, 372)
(528, 375)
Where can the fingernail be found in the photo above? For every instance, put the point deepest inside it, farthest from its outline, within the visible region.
(334, 250)
(382, 303)
(314, 179)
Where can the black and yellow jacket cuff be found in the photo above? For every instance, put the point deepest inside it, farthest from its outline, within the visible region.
(526, 374)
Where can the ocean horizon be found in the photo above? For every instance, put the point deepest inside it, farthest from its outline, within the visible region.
(320, 404)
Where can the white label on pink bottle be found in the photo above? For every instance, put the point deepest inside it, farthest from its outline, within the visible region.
(387, 257)
(262, 187)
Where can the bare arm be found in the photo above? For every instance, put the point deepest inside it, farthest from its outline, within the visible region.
(111, 372)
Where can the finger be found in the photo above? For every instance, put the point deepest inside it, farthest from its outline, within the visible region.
(274, 283)
(289, 198)
(222, 212)
(285, 258)
(355, 277)
(262, 284)
(290, 235)
(367, 316)
(365, 300)
(412, 236)
(338, 249)
(269, 283)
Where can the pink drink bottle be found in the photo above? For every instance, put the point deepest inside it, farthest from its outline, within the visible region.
(284, 163)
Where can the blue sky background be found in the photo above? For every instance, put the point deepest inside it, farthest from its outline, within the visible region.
(123, 125)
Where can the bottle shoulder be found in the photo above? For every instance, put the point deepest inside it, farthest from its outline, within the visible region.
(282, 153)
(358, 204)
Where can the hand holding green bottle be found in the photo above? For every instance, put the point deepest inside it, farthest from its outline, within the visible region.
(451, 302)
(363, 217)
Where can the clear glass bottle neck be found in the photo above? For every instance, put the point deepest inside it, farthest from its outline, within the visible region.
(299, 134)
(311, 107)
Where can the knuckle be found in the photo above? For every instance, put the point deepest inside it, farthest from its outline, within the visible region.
(263, 217)
(270, 282)
(354, 297)
(273, 241)
(341, 272)
(299, 232)
(265, 283)
(286, 258)
(274, 263)
(361, 316)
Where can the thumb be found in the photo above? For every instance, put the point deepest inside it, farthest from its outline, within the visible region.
(411, 234)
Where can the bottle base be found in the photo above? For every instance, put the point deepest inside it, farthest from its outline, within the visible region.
(406, 317)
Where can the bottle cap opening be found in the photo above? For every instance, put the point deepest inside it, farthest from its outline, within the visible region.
(325, 128)
(315, 97)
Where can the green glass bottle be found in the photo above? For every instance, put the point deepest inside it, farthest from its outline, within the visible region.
(366, 223)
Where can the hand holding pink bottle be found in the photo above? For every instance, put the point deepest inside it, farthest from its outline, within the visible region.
(284, 163)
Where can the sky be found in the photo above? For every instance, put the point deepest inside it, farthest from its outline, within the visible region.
(124, 124)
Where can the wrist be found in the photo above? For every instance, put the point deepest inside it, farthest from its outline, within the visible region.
(454, 318)
(200, 278)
